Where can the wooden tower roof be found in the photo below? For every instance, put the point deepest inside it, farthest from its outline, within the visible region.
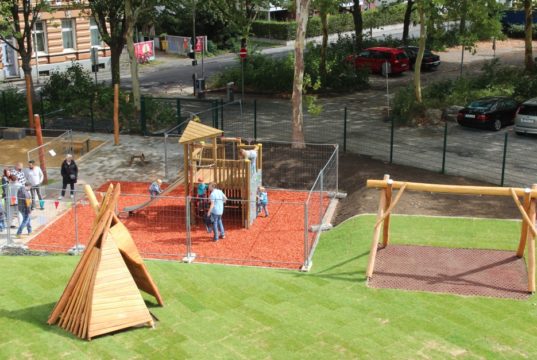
(196, 131)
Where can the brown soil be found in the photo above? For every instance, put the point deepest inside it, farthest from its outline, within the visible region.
(425, 268)
(354, 170)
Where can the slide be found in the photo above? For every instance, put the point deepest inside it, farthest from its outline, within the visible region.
(173, 185)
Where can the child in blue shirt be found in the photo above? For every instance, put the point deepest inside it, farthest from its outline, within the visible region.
(2, 217)
(154, 188)
(202, 188)
(262, 201)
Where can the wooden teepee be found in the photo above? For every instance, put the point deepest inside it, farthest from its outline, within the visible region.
(102, 295)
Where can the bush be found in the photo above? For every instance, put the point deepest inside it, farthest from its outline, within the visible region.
(518, 32)
(495, 80)
(13, 111)
(279, 30)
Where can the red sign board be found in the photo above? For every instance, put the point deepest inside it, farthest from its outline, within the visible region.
(144, 50)
(200, 43)
(243, 53)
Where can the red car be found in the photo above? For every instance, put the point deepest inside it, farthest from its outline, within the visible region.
(381, 60)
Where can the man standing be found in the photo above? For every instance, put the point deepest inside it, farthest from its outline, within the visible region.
(24, 205)
(34, 175)
(216, 210)
(19, 174)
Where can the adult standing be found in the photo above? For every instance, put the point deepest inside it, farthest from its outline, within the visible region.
(35, 177)
(25, 208)
(216, 210)
(69, 175)
(5, 183)
(19, 173)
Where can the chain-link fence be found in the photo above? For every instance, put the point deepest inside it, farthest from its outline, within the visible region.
(52, 153)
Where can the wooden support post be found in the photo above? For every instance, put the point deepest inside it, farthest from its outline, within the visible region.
(215, 157)
(116, 114)
(531, 247)
(41, 151)
(386, 225)
(524, 231)
(259, 156)
(376, 233)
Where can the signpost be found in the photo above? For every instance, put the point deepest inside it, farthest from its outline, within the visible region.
(243, 53)
(95, 61)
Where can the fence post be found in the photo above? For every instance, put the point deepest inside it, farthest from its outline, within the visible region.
(321, 202)
(504, 157)
(189, 256)
(391, 139)
(166, 155)
(345, 130)
(9, 215)
(92, 117)
(305, 266)
(77, 243)
(222, 114)
(4, 107)
(178, 110)
(143, 125)
(255, 120)
(444, 150)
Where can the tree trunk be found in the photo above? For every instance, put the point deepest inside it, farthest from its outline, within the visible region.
(419, 58)
(462, 23)
(302, 9)
(528, 22)
(29, 95)
(406, 21)
(115, 55)
(358, 25)
(135, 78)
(324, 44)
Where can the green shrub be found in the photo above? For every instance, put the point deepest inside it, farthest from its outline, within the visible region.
(278, 30)
(405, 107)
(518, 32)
(13, 110)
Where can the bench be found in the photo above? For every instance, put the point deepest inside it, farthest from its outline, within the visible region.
(79, 145)
(140, 157)
(14, 134)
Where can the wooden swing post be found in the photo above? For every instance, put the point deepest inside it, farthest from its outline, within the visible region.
(531, 245)
(524, 231)
(386, 225)
(376, 232)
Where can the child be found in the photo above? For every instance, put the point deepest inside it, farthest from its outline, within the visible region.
(2, 217)
(154, 188)
(262, 201)
(202, 188)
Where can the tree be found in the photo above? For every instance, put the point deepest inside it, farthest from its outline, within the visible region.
(421, 50)
(302, 15)
(20, 30)
(358, 25)
(325, 8)
(528, 32)
(133, 10)
(110, 18)
(407, 19)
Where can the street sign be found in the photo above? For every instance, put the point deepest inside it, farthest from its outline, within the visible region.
(94, 55)
(243, 53)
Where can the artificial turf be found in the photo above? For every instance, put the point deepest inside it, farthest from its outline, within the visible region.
(225, 312)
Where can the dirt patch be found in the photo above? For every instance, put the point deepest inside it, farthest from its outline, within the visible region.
(472, 272)
(354, 170)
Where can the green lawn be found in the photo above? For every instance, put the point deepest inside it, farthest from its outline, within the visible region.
(220, 312)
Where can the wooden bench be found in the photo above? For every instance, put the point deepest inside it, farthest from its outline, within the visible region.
(77, 144)
(140, 157)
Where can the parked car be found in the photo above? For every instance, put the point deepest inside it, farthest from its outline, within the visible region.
(430, 61)
(381, 60)
(526, 117)
(489, 112)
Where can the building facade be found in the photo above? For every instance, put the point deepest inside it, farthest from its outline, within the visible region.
(60, 36)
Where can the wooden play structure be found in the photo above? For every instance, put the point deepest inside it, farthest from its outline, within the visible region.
(214, 158)
(387, 203)
(103, 294)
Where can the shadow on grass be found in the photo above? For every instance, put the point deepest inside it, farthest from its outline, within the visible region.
(36, 316)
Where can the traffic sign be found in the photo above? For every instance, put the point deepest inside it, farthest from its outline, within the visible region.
(243, 53)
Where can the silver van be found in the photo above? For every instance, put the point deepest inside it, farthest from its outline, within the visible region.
(526, 118)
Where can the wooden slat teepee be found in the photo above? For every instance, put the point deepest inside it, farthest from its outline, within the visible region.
(102, 295)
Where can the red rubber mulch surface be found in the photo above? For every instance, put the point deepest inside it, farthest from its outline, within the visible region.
(159, 230)
(473, 272)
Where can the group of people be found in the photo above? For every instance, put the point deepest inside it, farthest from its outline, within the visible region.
(21, 192)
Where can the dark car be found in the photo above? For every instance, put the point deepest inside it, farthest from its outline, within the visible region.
(489, 112)
(430, 61)
(381, 60)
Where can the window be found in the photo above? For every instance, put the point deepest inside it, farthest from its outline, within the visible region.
(68, 34)
(39, 36)
(96, 40)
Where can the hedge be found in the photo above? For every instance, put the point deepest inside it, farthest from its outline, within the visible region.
(518, 32)
(286, 30)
